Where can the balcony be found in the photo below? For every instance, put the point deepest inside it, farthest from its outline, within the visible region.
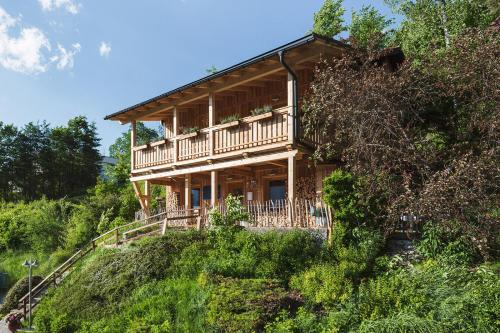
(268, 130)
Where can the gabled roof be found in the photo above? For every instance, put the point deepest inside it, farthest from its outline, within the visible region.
(267, 55)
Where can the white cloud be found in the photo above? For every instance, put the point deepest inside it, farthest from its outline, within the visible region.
(104, 49)
(69, 5)
(65, 58)
(26, 52)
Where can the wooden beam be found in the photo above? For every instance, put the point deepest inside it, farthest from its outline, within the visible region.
(187, 191)
(175, 130)
(214, 185)
(292, 177)
(219, 166)
(211, 122)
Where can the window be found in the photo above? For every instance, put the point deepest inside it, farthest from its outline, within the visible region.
(207, 194)
(277, 190)
(195, 197)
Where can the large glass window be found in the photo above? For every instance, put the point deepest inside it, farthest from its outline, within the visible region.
(207, 194)
(277, 190)
(195, 197)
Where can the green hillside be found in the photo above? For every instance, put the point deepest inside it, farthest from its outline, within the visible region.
(238, 281)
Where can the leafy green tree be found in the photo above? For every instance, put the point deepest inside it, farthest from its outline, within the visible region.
(212, 70)
(120, 150)
(369, 28)
(328, 20)
(76, 157)
(431, 24)
(8, 134)
(30, 153)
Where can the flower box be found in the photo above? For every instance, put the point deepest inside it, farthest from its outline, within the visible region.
(230, 124)
(263, 116)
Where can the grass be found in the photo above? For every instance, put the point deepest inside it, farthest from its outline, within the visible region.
(11, 262)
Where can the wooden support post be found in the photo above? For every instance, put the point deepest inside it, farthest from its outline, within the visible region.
(198, 222)
(214, 185)
(211, 121)
(147, 197)
(290, 101)
(140, 197)
(168, 196)
(117, 235)
(164, 228)
(133, 143)
(175, 132)
(292, 174)
(187, 191)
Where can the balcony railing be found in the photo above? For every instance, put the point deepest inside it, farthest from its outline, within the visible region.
(263, 130)
(156, 153)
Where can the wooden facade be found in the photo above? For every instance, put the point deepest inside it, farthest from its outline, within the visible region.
(204, 156)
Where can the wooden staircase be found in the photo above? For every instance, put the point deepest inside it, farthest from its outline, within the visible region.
(156, 224)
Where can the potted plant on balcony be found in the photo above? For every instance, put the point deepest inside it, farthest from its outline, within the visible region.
(264, 112)
(190, 132)
(230, 121)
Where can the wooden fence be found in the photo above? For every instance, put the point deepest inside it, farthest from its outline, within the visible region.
(299, 213)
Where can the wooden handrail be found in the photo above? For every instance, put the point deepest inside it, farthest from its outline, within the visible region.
(88, 247)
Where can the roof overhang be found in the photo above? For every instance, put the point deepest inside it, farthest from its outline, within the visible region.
(306, 49)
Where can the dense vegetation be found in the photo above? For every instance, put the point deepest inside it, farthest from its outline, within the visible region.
(232, 280)
(51, 228)
(422, 137)
(37, 160)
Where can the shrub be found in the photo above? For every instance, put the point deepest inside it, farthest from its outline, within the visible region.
(331, 284)
(16, 292)
(163, 306)
(400, 323)
(276, 255)
(235, 212)
(303, 321)
(455, 298)
(448, 245)
(325, 284)
(246, 305)
(38, 226)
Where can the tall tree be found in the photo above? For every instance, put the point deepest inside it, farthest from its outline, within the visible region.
(433, 24)
(369, 29)
(120, 150)
(8, 134)
(328, 20)
(30, 148)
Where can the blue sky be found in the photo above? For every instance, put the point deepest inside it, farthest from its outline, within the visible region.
(63, 58)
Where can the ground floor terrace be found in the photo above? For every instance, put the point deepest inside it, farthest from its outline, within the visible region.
(281, 189)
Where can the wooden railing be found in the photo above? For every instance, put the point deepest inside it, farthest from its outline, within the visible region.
(153, 224)
(283, 214)
(156, 153)
(194, 146)
(254, 131)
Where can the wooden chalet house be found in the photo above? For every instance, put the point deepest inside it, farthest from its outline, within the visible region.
(236, 131)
